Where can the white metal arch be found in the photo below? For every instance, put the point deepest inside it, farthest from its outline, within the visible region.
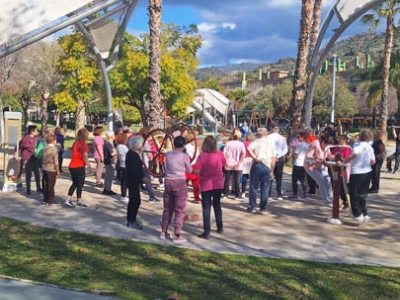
(24, 22)
(346, 11)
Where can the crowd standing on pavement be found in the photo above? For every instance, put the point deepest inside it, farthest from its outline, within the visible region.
(212, 171)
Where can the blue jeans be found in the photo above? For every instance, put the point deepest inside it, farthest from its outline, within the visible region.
(259, 173)
(149, 186)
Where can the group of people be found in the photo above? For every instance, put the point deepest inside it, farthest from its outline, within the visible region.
(42, 156)
(360, 160)
(214, 173)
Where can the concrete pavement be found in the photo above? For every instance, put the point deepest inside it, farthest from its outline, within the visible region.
(294, 230)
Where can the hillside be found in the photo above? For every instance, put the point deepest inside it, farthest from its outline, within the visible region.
(348, 49)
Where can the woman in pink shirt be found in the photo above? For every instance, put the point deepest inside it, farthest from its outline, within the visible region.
(209, 165)
(314, 166)
(98, 155)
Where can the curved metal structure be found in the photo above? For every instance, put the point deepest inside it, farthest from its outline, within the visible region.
(161, 141)
(91, 17)
(346, 11)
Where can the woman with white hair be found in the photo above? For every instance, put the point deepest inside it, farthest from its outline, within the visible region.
(133, 178)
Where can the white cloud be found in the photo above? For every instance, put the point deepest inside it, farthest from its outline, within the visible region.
(206, 27)
(284, 3)
(229, 25)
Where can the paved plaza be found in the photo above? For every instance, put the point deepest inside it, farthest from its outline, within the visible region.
(292, 229)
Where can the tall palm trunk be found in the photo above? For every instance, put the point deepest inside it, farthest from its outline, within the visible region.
(299, 77)
(155, 101)
(44, 113)
(80, 116)
(316, 23)
(385, 75)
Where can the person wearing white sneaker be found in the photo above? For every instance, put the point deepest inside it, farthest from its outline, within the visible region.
(176, 194)
(79, 159)
(122, 150)
(361, 158)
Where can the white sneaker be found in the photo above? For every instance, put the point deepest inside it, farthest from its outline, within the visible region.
(360, 218)
(243, 195)
(367, 218)
(124, 199)
(69, 203)
(161, 186)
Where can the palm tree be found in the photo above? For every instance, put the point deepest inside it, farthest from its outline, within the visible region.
(155, 98)
(299, 78)
(387, 10)
(316, 22)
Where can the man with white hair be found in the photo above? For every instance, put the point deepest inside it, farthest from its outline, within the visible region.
(263, 154)
(281, 148)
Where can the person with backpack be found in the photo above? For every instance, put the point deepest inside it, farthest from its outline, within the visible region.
(27, 147)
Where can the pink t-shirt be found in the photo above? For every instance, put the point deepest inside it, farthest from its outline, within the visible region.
(233, 151)
(176, 164)
(246, 145)
(314, 152)
(97, 141)
(211, 174)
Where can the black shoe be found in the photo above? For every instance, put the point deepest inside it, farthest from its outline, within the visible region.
(220, 231)
(204, 236)
(109, 193)
(134, 225)
(373, 191)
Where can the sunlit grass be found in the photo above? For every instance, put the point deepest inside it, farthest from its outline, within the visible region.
(146, 271)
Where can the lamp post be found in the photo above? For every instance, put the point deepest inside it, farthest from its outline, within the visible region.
(333, 88)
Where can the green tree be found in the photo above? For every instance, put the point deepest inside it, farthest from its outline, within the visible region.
(79, 76)
(281, 97)
(260, 100)
(211, 83)
(387, 10)
(345, 102)
(238, 97)
(130, 79)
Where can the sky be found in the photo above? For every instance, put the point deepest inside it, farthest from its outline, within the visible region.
(237, 31)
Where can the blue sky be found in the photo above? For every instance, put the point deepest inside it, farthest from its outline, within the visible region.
(236, 31)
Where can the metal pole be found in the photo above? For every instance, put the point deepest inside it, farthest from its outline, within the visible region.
(104, 73)
(333, 89)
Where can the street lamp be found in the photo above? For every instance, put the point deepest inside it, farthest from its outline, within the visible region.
(333, 88)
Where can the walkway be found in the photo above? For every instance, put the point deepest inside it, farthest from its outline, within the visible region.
(294, 230)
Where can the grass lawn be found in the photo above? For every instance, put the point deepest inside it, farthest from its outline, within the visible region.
(146, 271)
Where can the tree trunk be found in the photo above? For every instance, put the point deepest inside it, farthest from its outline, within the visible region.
(316, 23)
(385, 76)
(44, 114)
(299, 81)
(1, 122)
(80, 116)
(57, 118)
(155, 99)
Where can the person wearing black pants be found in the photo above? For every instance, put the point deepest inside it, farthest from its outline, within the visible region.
(396, 155)
(278, 175)
(79, 159)
(214, 197)
(281, 149)
(78, 180)
(379, 151)
(32, 166)
(134, 177)
(361, 158)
